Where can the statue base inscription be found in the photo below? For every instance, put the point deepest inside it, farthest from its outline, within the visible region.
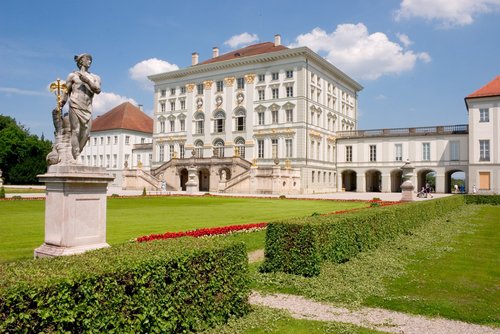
(75, 210)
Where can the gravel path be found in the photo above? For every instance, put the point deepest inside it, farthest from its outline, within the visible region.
(378, 319)
(255, 256)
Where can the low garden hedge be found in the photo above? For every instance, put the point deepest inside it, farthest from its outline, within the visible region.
(171, 286)
(482, 199)
(299, 246)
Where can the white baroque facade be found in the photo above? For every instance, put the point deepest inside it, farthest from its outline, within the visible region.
(262, 103)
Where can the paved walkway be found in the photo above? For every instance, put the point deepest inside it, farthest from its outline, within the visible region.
(374, 318)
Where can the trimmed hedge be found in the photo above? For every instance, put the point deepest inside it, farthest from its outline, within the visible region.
(298, 246)
(482, 199)
(169, 286)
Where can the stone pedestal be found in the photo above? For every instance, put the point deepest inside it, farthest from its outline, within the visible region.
(192, 183)
(407, 191)
(75, 210)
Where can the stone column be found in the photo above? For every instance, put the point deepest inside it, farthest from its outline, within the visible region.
(75, 210)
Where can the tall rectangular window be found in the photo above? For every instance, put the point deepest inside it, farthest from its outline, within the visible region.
(219, 125)
(162, 126)
(484, 180)
(183, 124)
(126, 162)
(275, 76)
(183, 105)
(161, 153)
(240, 83)
(261, 118)
(172, 151)
(172, 126)
(115, 159)
(116, 140)
(373, 152)
(220, 86)
(172, 91)
(262, 78)
(262, 94)
(289, 91)
(240, 123)
(348, 153)
(274, 145)
(484, 150)
(426, 151)
(454, 150)
(199, 127)
(274, 116)
(172, 105)
(182, 151)
(163, 92)
(162, 107)
(127, 140)
(484, 115)
(289, 115)
(199, 88)
(275, 93)
(288, 148)
(260, 148)
(108, 140)
(289, 74)
(183, 90)
(398, 152)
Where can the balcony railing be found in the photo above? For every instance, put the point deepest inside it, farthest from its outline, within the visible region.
(397, 132)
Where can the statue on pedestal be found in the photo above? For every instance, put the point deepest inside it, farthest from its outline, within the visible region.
(72, 131)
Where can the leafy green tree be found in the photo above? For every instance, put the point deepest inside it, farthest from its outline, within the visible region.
(22, 155)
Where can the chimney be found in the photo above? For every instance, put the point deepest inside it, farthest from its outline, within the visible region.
(141, 107)
(277, 40)
(215, 52)
(194, 58)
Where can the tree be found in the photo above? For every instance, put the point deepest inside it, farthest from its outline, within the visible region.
(22, 155)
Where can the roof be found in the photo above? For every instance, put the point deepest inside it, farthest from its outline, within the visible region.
(125, 116)
(250, 50)
(490, 89)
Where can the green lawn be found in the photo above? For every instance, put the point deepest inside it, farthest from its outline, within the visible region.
(9, 190)
(22, 222)
(448, 267)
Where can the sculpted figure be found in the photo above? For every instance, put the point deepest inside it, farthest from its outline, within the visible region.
(81, 87)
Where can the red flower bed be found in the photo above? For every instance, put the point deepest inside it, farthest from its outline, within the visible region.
(202, 232)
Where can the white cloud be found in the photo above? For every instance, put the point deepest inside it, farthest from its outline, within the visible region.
(404, 39)
(141, 70)
(357, 52)
(104, 102)
(241, 40)
(380, 97)
(448, 13)
(18, 91)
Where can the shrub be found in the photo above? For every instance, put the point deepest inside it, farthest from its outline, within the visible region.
(482, 199)
(144, 191)
(282, 197)
(115, 195)
(2, 192)
(169, 286)
(298, 246)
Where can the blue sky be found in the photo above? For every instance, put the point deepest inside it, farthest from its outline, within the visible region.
(417, 59)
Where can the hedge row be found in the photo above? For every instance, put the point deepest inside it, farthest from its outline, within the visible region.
(298, 246)
(482, 199)
(169, 286)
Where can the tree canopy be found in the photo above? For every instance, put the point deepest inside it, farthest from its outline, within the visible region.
(22, 155)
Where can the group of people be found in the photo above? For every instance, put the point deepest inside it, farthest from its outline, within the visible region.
(459, 189)
(425, 192)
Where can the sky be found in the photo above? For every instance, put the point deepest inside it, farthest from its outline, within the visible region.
(416, 59)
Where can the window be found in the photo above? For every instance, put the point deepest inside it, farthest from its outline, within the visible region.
(162, 107)
(275, 76)
(373, 152)
(101, 160)
(398, 152)
(183, 105)
(454, 150)
(115, 159)
(198, 124)
(116, 140)
(172, 126)
(260, 148)
(289, 74)
(182, 151)
(240, 83)
(484, 115)
(289, 91)
(240, 148)
(348, 153)
(199, 88)
(288, 148)
(240, 122)
(274, 116)
(171, 151)
(102, 140)
(127, 140)
(262, 94)
(312, 177)
(426, 151)
(108, 140)
(162, 126)
(143, 140)
(172, 105)
(219, 148)
(289, 115)
(95, 160)
(220, 86)
(95, 141)
(108, 159)
(172, 91)
(183, 124)
(484, 150)
(183, 90)
(318, 152)
(161, 152)
(163, 92)
(484, 180)
(261, 118)
(274, 145)
(219, 122)
(262, 78)
(275, 92)
(198, 149)
(127, 156)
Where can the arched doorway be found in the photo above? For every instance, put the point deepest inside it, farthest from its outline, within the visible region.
(349, 180)
(183, 176)
(426, 177)
(204, 179)
(455, 177)
(396, 180)
(373, 181)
